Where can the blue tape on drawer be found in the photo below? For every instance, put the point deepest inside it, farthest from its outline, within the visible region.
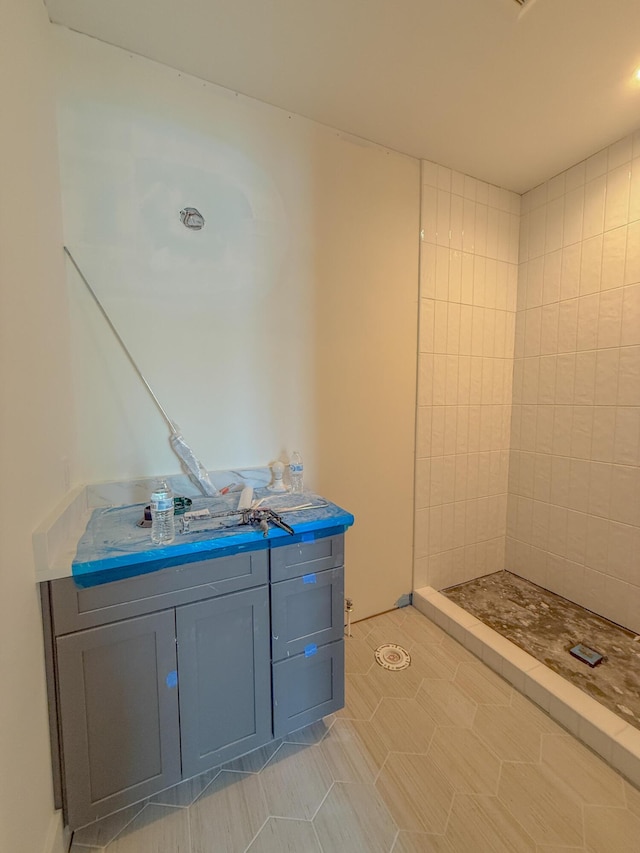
(309, 578)
(309, 650)
(307, 537)
(172, 678)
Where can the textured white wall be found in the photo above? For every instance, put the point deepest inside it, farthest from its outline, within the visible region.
(574, 491)
(37, 417)
(289, 321)
(468, 281)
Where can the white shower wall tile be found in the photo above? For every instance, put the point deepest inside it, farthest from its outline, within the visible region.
(570, 271)
(575, 176)
(632, 259)
(634, 190)
(594, 202)
(630, 322)
(573, 511)
(596, 165)
(467, 327)
(572, 216)
(617, 197)
(620, 152)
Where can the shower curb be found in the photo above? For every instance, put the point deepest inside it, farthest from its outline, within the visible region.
(617, 742)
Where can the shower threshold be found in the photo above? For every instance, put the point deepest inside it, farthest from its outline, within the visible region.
(502, 620)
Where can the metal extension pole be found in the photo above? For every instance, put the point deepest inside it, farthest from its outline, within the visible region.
(172, 426)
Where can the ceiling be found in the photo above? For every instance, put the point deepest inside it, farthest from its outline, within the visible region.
(509, 94)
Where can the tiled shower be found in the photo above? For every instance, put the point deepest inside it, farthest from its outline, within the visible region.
(468, 297)
(528, 426)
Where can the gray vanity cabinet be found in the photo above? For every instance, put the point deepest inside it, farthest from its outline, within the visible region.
(155, 678)
(118, 712)
(225, 688)
(159, 677)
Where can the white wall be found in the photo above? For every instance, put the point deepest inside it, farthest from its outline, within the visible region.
(468, 282)
(36, 399)
(289, 321)
(574, 491)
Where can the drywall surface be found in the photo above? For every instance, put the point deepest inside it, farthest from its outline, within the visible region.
(288, 322)
(37, 418)
(468, 284)
(574, 484)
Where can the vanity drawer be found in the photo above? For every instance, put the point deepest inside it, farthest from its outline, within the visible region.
(75, 608)
(306, 610)
(307, 687)
(301, 558)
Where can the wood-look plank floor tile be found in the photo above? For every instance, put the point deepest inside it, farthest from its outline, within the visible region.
(352, 752)
(100, 833)
(508, 732)
(295, 781)
(389, 633)
(420, 842)
(421, 630)
(482, 824)
(358, 656)
(548, 810)
(313, 733)
(403, 726)
(254, 761)
(186, 792)
(417, 796)
(354, 818)
(157, 829)
(633, 798)
(401, 684)
(445, 703)
(609, 829)
(285, 836)
(361, 698)
(434, 662)
(589, 776)
(228, 815)
(482, 684)
(463, 759)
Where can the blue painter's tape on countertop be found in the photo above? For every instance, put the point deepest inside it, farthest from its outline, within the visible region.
(114, 547)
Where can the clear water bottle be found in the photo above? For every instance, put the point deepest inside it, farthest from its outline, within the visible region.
(296, 472)
(162, 522)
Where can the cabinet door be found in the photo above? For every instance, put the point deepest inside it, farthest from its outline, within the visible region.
(225, 684)
(119, 713)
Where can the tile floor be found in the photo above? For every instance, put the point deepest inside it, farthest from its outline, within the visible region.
(443, 757)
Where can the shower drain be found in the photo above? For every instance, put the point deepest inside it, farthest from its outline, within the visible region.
(391, 656)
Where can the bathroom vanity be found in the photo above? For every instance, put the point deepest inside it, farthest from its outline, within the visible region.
(165, 662)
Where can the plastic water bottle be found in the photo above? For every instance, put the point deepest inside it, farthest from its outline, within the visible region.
(162, 522)
(296, 472)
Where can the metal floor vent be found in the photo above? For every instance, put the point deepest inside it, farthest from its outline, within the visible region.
(391, 656)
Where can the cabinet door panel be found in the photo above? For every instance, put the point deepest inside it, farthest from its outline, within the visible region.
(225, 685)
(292, 561)
(306, 610)
(119, 713)
(307, 687)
